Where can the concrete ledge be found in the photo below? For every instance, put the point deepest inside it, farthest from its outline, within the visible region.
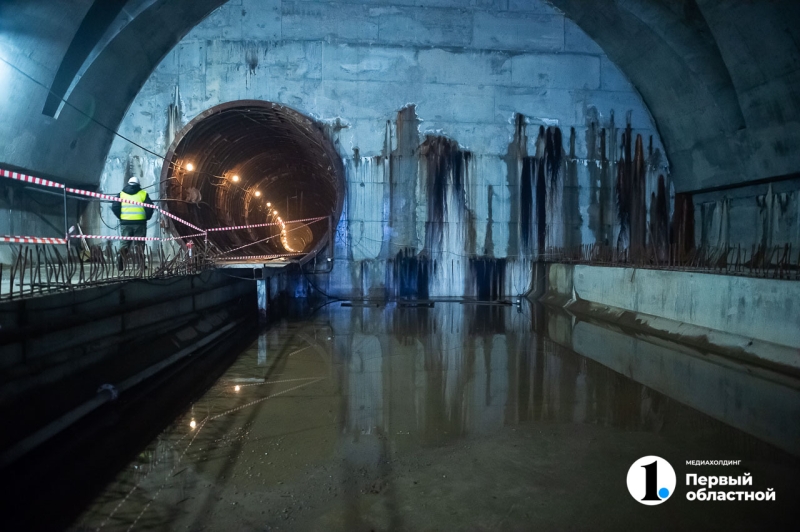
(756, 320)
(754, 400)
(59, 349)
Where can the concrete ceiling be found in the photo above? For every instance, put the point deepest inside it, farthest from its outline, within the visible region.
(719, 77)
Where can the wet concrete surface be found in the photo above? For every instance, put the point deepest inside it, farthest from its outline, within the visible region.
(459, 417)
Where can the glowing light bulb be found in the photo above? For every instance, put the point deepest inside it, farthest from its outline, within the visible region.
(235, 179)
(193, 424)
(275, 213)
(257, 193)
(189, 166)
(269, 204)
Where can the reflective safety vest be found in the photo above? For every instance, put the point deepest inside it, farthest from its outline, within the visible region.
(132, 212)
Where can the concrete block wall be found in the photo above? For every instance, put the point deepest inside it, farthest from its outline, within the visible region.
(765, 215)
(755, 319)
(468, 67)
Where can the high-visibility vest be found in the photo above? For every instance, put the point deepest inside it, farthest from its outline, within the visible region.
(132, 212)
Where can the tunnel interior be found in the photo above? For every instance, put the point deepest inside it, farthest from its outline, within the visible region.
(564, 289)
(254, 162)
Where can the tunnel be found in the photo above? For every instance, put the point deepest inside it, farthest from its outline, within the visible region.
(255, 162)
(399, 266)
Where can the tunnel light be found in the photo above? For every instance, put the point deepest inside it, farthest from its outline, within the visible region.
(257, 193)
(237, 388)
(235, 179)
(193, 424)
(189, 166)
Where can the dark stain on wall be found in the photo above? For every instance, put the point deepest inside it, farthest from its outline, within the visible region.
(595, 187)
(536, 178)
(517, 151)
(489, 275)
(659, 220)
(682, 229)
(571, 212)
(526, 205)
(631, 195)
(638, 201)
(541, 194)
(623, 200)
(445, 171)
(411, 274)
(251, 58)
(553, 148)
(606, 211)
(488, 242)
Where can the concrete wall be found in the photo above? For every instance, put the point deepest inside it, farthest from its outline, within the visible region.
(719, 77)
(753, 402)
(765, 215)
(397, 82)
(755, 318)
(49, 336)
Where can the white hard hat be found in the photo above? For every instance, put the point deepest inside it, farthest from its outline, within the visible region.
(133, 181)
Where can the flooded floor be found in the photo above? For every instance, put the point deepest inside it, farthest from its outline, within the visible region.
(459, 417)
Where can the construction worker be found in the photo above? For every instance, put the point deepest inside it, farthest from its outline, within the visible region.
(132, 218)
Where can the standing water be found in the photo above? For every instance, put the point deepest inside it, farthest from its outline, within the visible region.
(458, 417)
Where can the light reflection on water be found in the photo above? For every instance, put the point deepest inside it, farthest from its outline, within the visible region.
(338, 420)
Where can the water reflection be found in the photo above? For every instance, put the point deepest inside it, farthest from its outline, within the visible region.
(359, 401)
(459, 368)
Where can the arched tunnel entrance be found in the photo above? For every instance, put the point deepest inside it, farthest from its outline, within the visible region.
(254, 162)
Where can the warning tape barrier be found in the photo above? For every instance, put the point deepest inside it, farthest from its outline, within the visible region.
(120, 200)
(249, 257)
(170, 239)
(32, 240)
(47, 183)
(202, 232)
(30, 179)
(115, 237)
(236, 227)
(184, 222)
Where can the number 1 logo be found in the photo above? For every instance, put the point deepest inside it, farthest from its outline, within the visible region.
(651, 480)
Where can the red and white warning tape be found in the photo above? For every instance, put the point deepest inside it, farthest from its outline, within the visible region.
(182, 237)
(32, 240)
(115, 237)
(100, 195)
(248, 257)
(184, 222)
(120, 200)
(201, 232)
(235, 227)
(30, 179)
